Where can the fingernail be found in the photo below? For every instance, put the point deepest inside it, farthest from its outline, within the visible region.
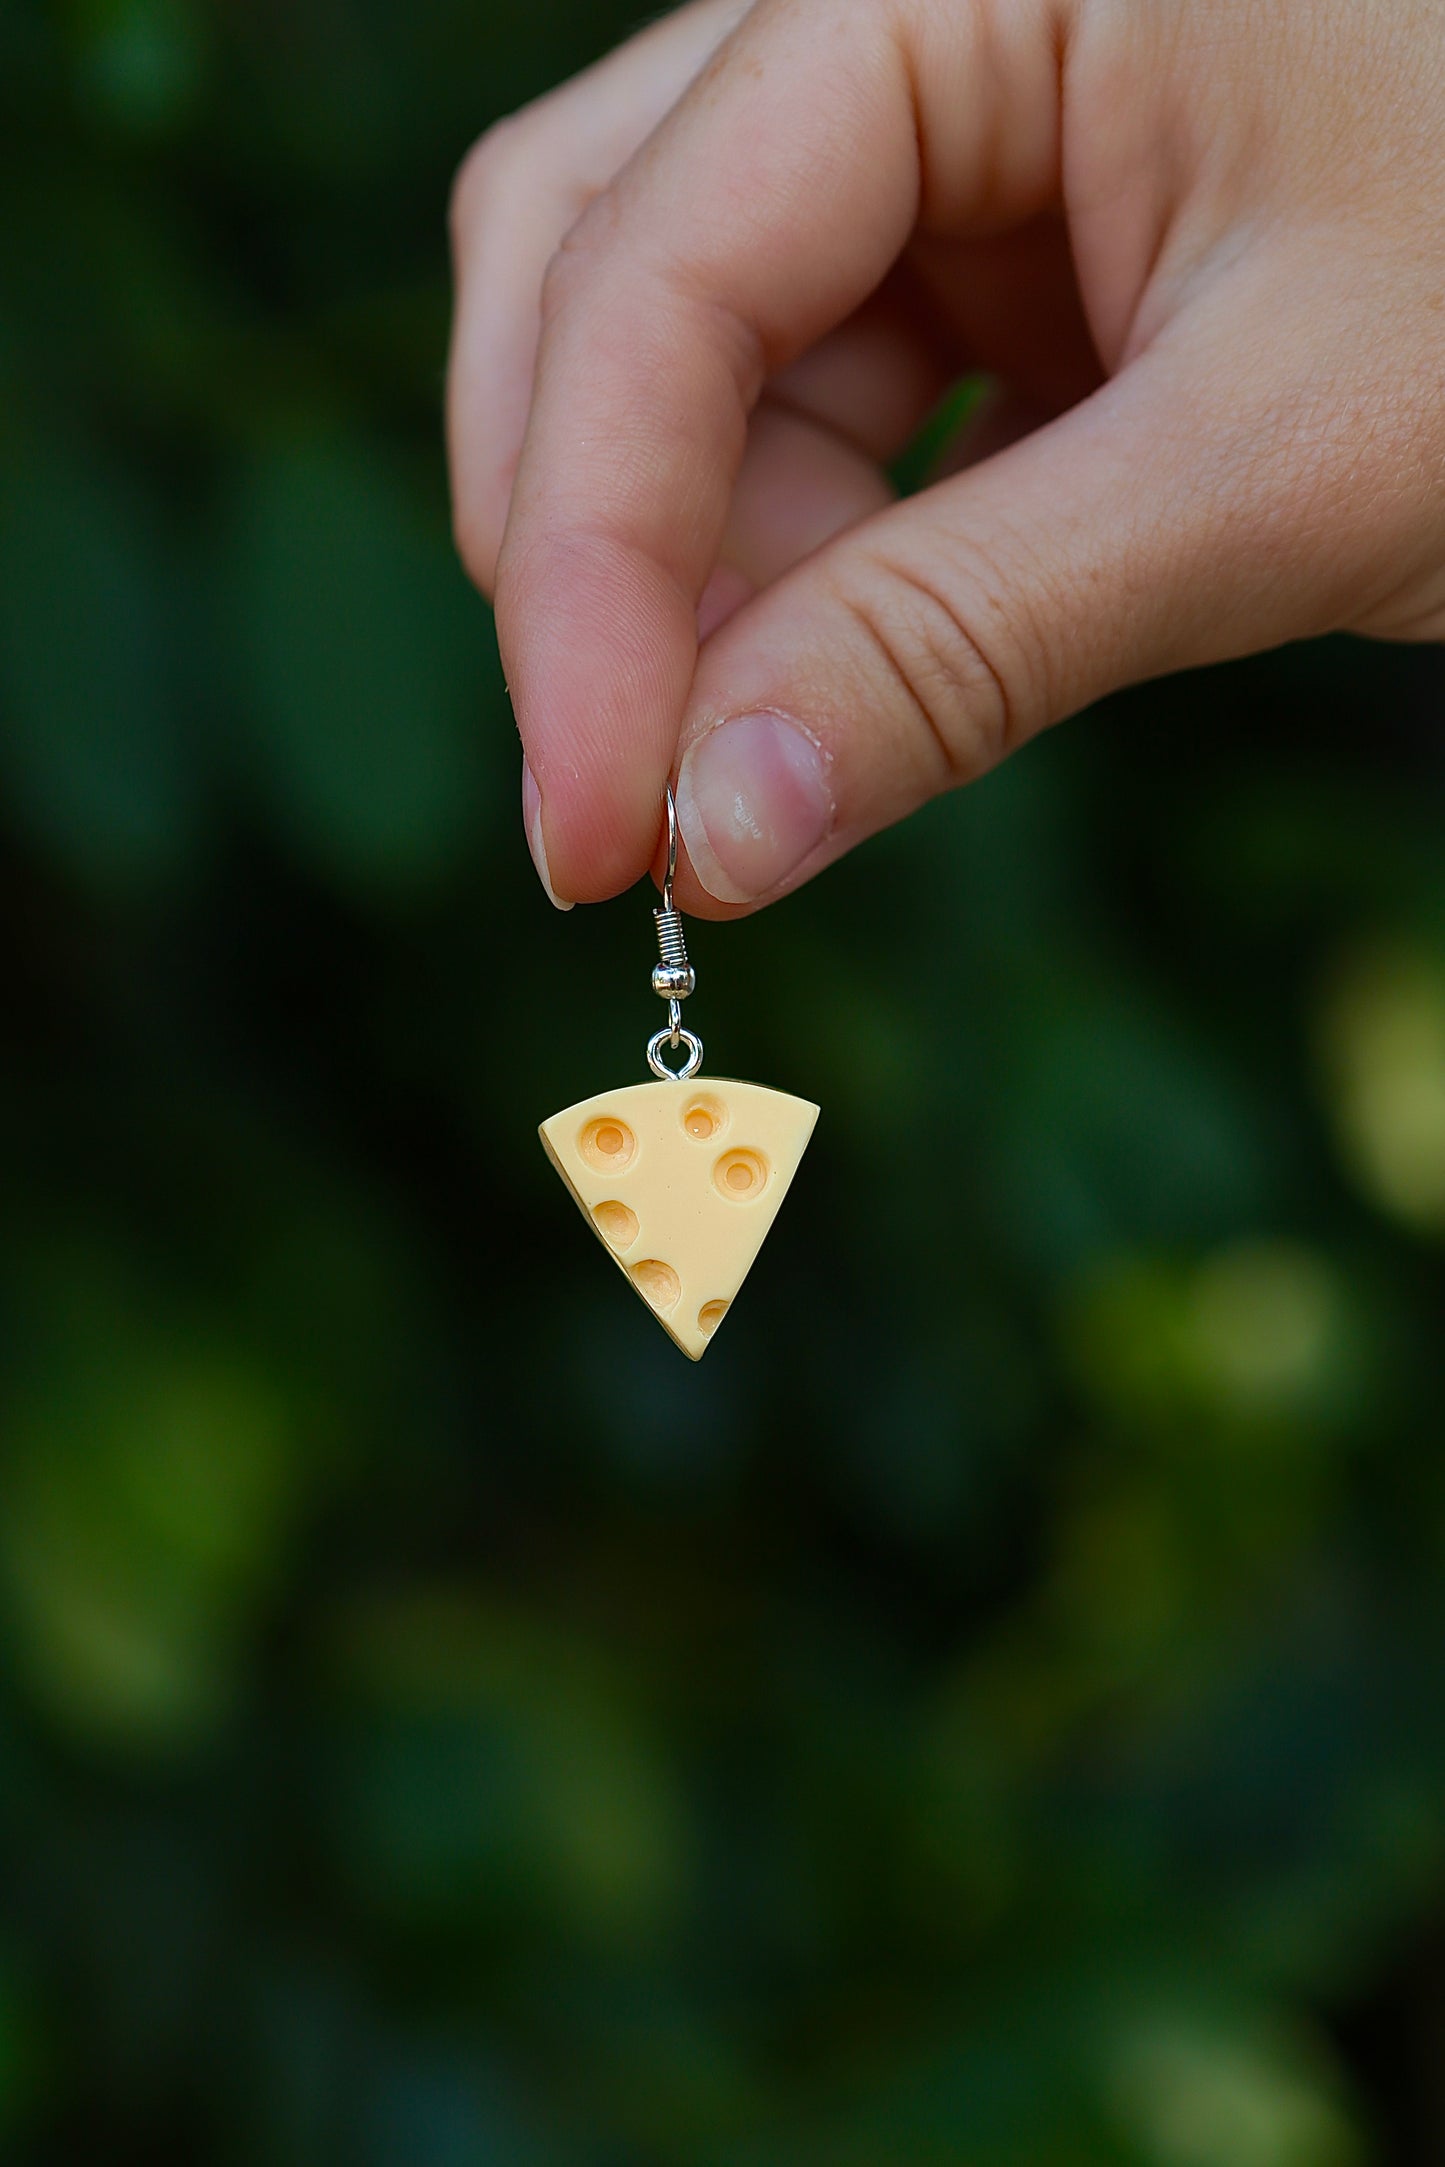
(752, 802)
(532, 822)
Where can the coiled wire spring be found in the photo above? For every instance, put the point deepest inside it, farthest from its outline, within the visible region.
(673, 976)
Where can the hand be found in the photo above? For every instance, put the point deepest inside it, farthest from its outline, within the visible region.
(709, 288)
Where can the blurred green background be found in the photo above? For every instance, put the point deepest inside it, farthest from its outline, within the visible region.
(991, 1711)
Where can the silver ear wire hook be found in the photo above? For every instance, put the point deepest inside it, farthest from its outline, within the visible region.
(673, 977)
(671, 874)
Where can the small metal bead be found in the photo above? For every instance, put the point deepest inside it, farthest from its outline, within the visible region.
(674, 981)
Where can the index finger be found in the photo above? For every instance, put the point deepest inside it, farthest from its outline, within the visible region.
(746, 226)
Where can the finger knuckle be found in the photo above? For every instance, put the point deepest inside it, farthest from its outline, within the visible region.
(574, 261)
(485, 175)
(477, 543)
(944, 647)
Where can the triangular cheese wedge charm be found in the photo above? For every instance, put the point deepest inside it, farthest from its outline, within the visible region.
(681, 1181)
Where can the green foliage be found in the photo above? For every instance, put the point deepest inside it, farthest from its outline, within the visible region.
(359, 669)
(96, 762)
(990, 1711)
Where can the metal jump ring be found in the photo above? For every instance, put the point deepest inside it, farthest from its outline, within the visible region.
(689, 1067)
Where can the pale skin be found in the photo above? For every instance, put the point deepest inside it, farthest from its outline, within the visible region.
(710, 288)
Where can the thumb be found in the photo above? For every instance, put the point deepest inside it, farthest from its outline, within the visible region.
(1143, 531)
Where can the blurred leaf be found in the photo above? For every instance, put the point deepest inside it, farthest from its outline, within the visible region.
(1382, 1036)
(1260, 1336)
(1122, 1124)
(915, 466)
(152, 1495)
(428, 2108)
(363, 658)
(91, 748)
(23, 2055)
(498, 1769)
(141, 60)
(1195, 2094)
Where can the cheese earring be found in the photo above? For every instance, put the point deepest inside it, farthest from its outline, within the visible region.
(680, 1182)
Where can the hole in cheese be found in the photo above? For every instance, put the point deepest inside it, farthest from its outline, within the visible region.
(607, 1144)
(658, 1282)
(705, 1118)
(740, 1176)
(617, 1224)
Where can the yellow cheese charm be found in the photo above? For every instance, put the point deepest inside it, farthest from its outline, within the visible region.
(682, 1185)
(679, 1180)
